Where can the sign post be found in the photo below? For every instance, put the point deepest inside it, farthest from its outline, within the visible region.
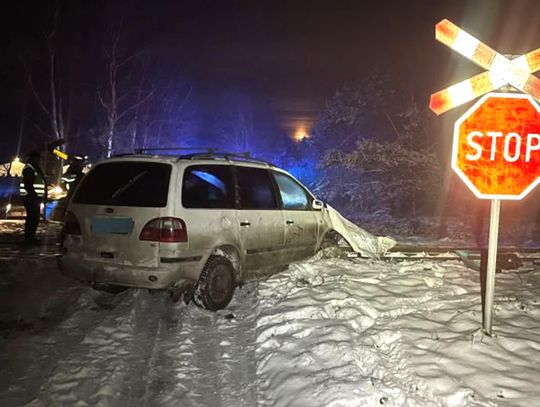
(496, 148)
(492, 264)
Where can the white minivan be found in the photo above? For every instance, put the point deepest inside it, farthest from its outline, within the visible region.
(199, 224)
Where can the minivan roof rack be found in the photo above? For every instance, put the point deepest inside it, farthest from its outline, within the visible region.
(207, 153)
(209, 150)
(215, 155)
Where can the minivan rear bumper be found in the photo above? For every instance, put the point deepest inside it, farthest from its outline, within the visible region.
(168, 275)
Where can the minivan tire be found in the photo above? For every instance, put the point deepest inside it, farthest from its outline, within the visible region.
(216, 284)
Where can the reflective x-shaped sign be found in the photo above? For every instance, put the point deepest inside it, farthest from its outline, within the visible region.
(500, 70)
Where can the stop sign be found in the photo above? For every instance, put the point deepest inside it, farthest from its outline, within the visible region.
(496, 147)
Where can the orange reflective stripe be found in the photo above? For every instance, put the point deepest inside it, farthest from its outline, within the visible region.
(501, 70)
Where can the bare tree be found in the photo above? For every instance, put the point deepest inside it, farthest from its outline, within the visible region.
(49, 95)
(140, 95)
(121, 96)
(235, 127)
(53, 106)
(175, 123)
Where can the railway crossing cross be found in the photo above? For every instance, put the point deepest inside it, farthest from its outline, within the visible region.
(496, 148)
(500, 70)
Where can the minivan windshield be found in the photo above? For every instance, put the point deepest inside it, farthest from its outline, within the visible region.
(126, 183)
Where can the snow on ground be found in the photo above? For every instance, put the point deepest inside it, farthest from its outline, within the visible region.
(326, 332)
(336, 333)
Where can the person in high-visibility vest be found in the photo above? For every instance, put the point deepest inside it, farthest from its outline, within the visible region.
(75, 172)
(33, 190)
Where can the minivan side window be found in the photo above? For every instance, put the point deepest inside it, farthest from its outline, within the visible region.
(293, 196)
(255, 188)
(208, 186)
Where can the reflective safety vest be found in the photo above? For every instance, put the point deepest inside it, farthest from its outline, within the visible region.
(39, 183)
(67, 181)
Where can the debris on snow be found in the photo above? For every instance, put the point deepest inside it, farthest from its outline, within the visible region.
(360, 240)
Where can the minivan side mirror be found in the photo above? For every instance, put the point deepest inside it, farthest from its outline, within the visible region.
(317, 205)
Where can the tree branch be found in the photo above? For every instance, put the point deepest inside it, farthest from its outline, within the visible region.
(135, 105)
(38, 98)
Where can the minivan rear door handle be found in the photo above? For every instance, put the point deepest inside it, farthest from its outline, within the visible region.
(245, 223)
(289, 222)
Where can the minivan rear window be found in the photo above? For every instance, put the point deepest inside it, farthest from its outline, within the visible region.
(126, 183)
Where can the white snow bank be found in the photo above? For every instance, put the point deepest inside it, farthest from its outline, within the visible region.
(360, 240)
(334, 333)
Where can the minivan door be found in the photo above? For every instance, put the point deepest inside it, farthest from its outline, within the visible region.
(113, 203)
(301, 222)
(259, 219)
(208, 202)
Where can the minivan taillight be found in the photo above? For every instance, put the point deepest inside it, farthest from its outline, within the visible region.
(165, 230)
(71, 224)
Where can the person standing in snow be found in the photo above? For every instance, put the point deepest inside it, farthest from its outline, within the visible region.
(74, 173)
(33, 192)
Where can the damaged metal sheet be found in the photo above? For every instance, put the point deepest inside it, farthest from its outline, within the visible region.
(361, 241)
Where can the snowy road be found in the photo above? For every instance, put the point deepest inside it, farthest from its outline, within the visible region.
(326, 332)
(65, 344)
(142, 350)
(75, 346)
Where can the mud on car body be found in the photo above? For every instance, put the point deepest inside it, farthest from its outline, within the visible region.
(195, 224)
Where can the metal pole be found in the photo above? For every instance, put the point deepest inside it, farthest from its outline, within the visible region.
(483, 272)
(492, 263)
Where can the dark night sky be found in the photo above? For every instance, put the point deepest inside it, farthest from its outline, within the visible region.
(291, 54)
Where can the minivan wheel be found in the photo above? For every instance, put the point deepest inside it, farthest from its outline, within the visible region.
(216, 285)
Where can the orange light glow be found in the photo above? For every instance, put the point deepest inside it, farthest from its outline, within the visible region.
(300, 134)
(497, 146)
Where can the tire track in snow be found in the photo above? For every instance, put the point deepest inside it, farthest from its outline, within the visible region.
(214, 361)
(88, 372)
(117, 362)
(147, 351)
(32, 355)
(114, 362)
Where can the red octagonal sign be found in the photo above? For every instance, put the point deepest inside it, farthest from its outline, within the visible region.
(497, 146)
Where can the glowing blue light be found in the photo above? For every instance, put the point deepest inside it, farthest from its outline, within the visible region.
(211, 179)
